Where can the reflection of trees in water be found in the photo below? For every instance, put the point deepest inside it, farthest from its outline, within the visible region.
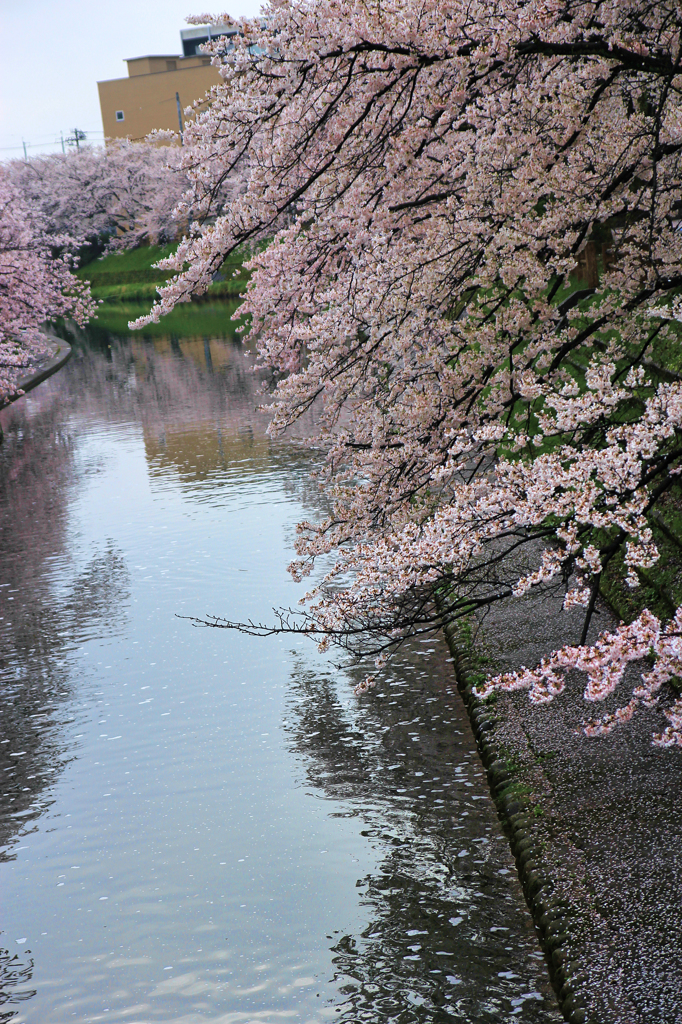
(41, 621)
(47, 608)
(160, 382)
(198, 419)
(15, 975)
(35, 681)
(197, 400)
(428, 953)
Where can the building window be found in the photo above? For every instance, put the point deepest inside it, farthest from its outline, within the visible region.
(191, 46)
(119, 115)
(171, 65)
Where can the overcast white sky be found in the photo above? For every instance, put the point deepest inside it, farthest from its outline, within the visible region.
(55, 51)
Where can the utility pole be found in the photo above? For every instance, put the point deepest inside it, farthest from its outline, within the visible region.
(62, 135)
(177, 100)
(77, 137)
(25, 155)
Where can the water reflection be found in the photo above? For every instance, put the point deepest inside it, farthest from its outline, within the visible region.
(198, 826)
(38, 620)
(37, 623)
(15, 974)
(444, 902)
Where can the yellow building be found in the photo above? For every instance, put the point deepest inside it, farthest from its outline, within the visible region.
(159, 87)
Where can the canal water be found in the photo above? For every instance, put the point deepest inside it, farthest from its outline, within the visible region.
(196, 825)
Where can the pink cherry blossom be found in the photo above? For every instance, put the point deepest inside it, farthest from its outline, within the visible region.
(126, 193)
(605, 665)
(429, 173)
(36, 285)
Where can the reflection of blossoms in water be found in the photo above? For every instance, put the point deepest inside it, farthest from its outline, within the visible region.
(395, 773)
(170, 383)
(15, 974)
(197, 402)
(38, 625)
(444, 916)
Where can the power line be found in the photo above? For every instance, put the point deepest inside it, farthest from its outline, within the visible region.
(49, 140)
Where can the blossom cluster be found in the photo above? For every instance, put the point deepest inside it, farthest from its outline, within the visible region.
(126, 193)
(605, 664)
(35, 285)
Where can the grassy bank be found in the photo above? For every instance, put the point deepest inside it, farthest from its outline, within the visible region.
(126, 284)
(191, 320)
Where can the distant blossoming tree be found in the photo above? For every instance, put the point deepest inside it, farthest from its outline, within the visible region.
(445, 165)
(36, 285)
(125, 193)
(119, 196)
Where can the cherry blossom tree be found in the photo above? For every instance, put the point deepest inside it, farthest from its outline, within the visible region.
(36, 285)
(490, 426)
(119, 196)
(124, 194)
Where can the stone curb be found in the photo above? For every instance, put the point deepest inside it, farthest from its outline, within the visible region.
(41, 373)
(556, 922)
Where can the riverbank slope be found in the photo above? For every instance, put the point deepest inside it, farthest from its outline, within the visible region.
(125, 284)
(595, 825)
